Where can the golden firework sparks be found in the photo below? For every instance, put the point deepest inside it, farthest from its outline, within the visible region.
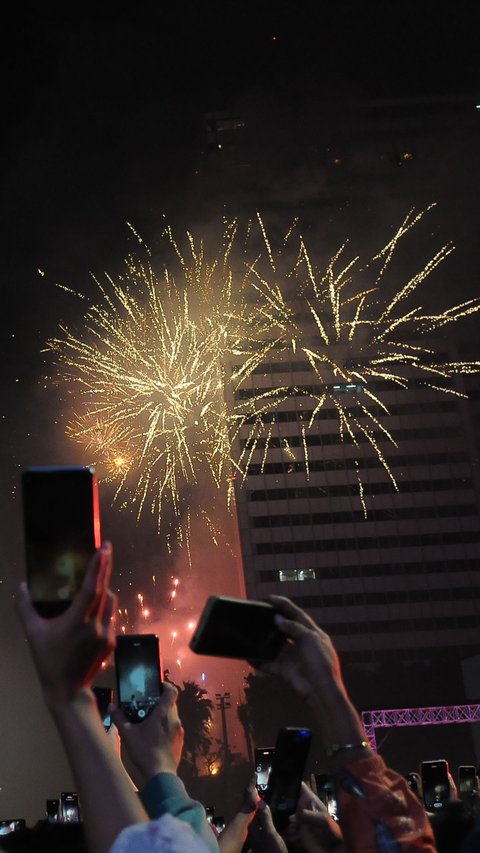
(151, 367)
(352, 338)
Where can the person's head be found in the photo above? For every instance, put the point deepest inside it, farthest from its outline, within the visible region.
(453, 823)
(46, 838)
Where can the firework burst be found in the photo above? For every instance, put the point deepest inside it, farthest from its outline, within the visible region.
(159, 365)
(352, 338)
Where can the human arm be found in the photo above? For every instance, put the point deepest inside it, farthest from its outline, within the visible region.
(67, 652)
(154, 747)
(233, 837)
(309, 663)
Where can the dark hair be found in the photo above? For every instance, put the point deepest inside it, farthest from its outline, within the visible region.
(46, 838)
(453, 823)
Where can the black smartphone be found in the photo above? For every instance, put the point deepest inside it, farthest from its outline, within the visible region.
(435, 783)
(61, 516)
(69, 808)
(52, 810)
(139, 674)
(263, 767)
(237, 628)
(288, 768)
(210, 812)
(467, 779)
(326, 793)
(12, 825)
(104, 697)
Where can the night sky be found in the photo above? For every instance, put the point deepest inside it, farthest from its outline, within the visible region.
(103, 124)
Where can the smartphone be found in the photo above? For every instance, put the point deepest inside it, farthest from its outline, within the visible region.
(467, 779)
(69, 808)
(263, 767)
(210, 812)
(11, 825)
(288, 768)
(139, 674)
(326, 793)
(52, 810)
(237, 628)
(61, 517)
(435, 783)
(104, 697)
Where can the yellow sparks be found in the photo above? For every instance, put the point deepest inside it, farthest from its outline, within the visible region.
(161, 369)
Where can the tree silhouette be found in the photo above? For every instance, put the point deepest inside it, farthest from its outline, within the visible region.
(195, 711)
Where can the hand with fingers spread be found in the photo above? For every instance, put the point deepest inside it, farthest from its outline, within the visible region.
(68, 650)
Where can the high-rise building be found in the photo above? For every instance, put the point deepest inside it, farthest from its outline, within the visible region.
(396, 571)
(399, 588)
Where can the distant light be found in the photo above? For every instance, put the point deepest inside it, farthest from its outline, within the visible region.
(477, 106)
(203, 676)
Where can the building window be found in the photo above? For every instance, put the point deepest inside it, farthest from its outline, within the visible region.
(286, 575)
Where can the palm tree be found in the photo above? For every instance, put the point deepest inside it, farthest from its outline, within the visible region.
(195, 711)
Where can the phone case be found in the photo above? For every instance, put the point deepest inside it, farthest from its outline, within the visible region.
(61, 517)
(237, 628)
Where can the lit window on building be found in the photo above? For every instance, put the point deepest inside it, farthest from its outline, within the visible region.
(288, 575)
(348, 388)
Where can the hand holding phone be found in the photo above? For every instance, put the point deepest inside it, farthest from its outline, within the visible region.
(68, 651)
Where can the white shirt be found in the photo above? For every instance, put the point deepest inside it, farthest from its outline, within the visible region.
(166, 834)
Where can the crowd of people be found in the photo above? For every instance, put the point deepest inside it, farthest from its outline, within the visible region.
(377, 810)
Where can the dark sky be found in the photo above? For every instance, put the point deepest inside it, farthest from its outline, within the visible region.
(102, 122)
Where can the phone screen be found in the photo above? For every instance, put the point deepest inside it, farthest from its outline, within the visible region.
(62, 531)
(288, 767)
(69, 807)
(435, 783)
(263, 767)
(467, 779)
(237, 628)
(139, 674)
